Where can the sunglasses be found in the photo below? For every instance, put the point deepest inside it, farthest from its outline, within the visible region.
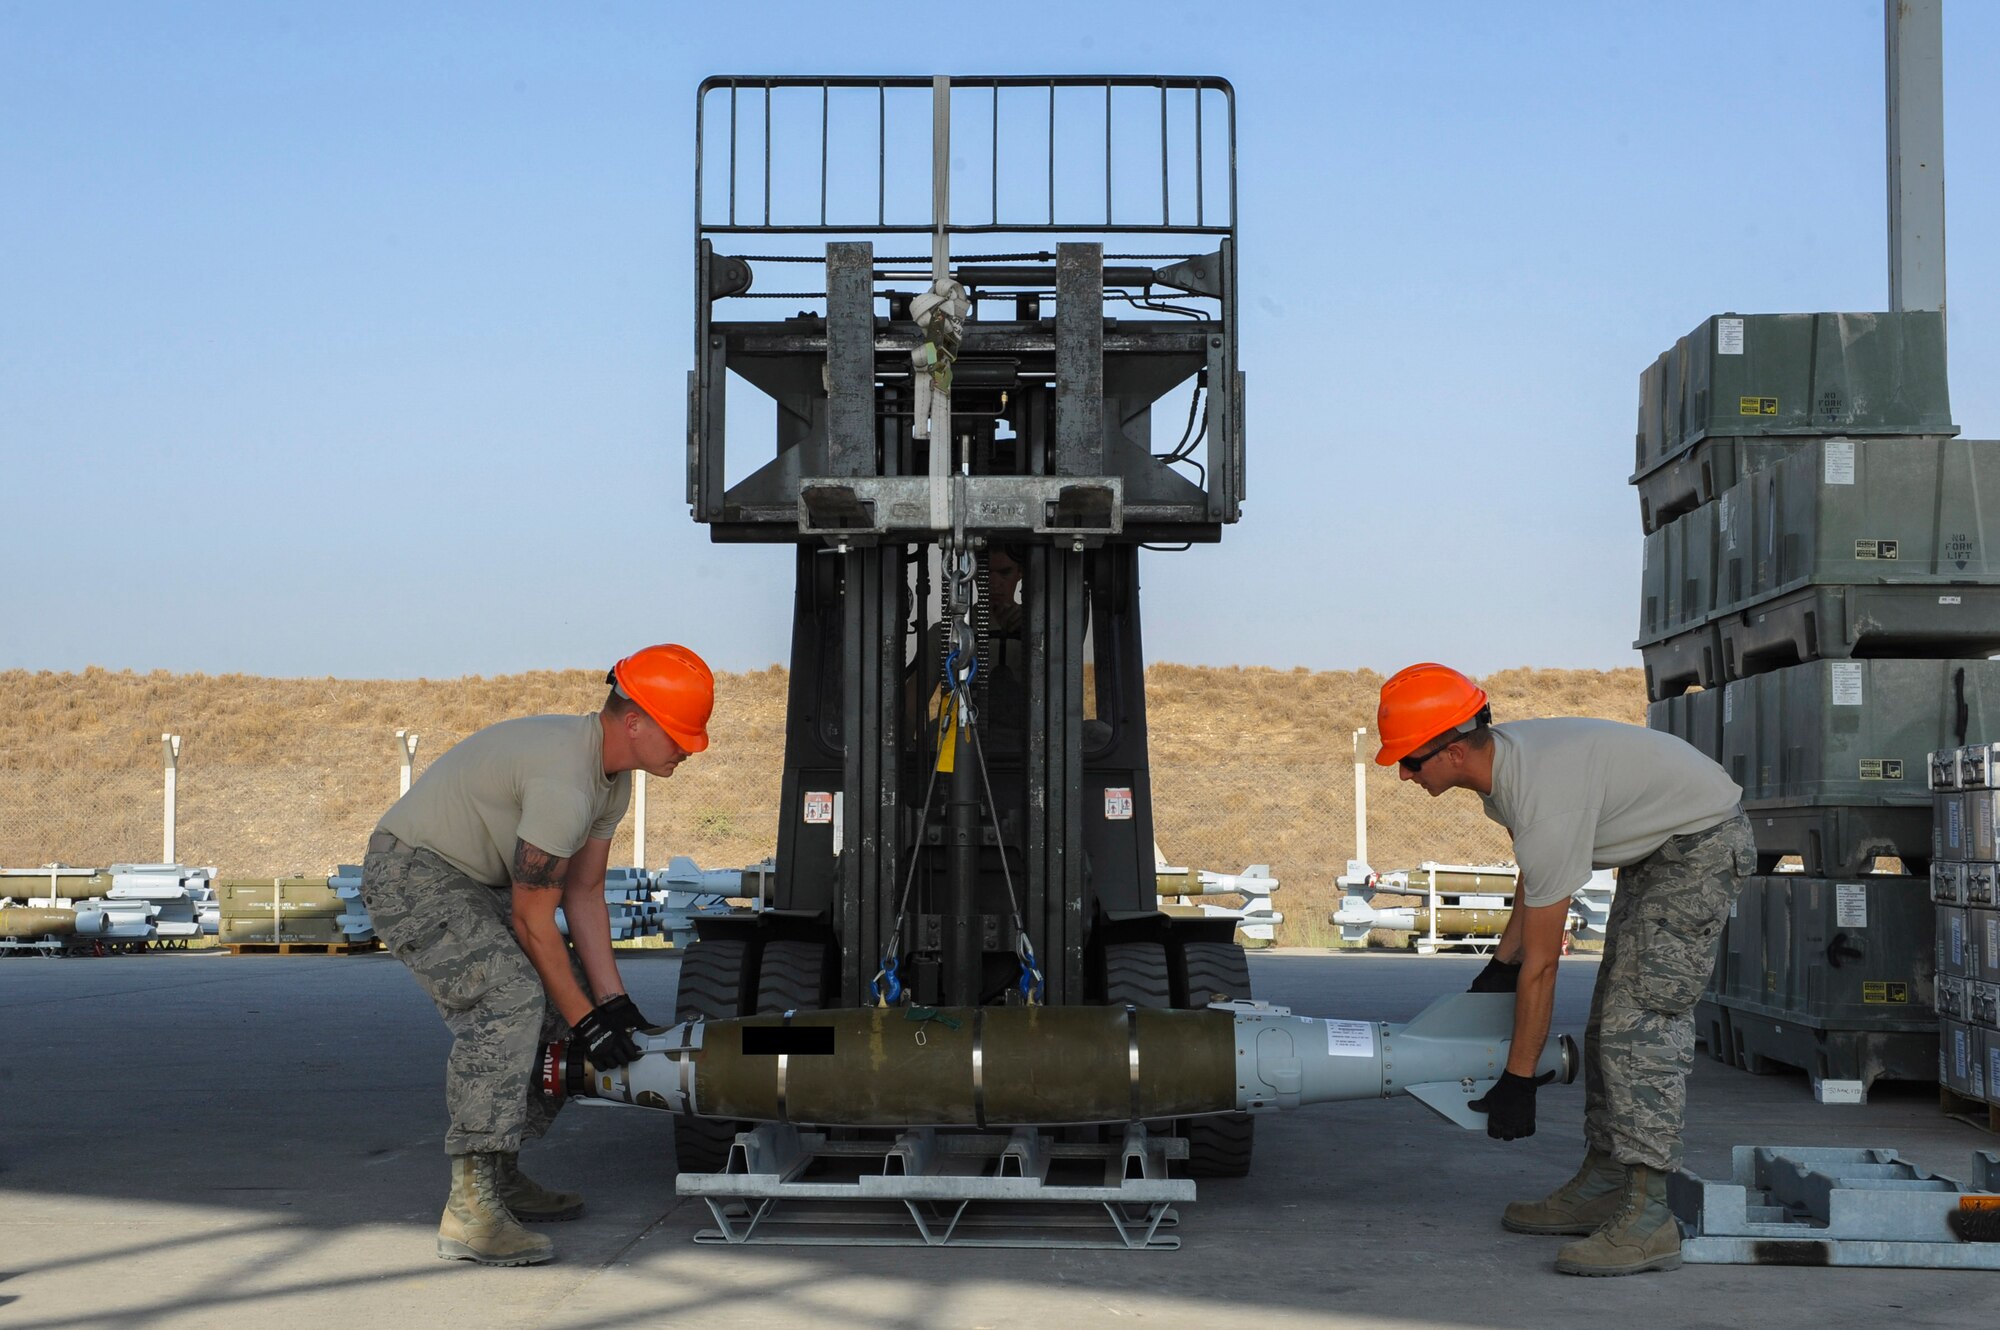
(1415, 763)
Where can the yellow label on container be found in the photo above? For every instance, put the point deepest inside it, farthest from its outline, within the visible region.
(1883, 992)
(1756, 406)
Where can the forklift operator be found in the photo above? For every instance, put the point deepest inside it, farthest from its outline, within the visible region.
(463, 877)
(1577, 794)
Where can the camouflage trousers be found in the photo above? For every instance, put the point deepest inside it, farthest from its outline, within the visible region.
(457, 937)
(1659, 948)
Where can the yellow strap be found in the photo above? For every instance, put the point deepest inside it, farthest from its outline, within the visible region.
(944, 710)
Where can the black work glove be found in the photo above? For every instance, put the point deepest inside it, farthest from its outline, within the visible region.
(1497, 977)
(605, 1043)
(621, 1013)
(1510, 1106)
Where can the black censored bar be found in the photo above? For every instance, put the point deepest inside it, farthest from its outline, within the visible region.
(794, 1040)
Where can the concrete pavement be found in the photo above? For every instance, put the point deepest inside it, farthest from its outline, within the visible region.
(200, 1140)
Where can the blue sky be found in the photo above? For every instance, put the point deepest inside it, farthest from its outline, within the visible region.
(351, 339)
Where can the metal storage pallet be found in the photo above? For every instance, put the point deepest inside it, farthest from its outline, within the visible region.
(1787, 1205)
(921, 1190)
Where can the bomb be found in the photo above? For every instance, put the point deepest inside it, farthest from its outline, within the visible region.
(1053, 1066)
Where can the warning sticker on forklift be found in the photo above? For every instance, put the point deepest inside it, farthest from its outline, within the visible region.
(1839, 462)
(1729, 337)
(1117, 804)
(1350, 1039)
(819, 807)
(1850, 905)
(1847, 685)
(1880, 991)
(1881, 768)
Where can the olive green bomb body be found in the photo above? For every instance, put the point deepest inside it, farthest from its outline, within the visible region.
(968, 1066)
(45, 921)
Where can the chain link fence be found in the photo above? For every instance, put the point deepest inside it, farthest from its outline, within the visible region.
(1299, 819)
(262, 811)
(88, 800)
(1248, 767)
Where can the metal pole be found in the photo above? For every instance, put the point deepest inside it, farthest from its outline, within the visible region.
(406, 754)
(1360, 799)
(638, 819)
(171, 744)
(940, 450)
(1914, 60)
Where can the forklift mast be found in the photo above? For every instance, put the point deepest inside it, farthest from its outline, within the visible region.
(963, 382)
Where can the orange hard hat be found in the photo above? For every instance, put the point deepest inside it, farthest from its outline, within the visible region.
(1419, 704)
(672, 685)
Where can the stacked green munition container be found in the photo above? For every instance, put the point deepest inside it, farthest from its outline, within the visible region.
(1965, 884)
(1819, 598)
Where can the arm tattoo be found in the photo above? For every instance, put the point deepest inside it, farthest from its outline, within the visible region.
(534, 867)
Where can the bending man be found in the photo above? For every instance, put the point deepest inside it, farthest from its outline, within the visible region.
(1579, 794)
(463, 877)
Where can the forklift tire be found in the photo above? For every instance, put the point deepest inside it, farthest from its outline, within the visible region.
(712, 981)
(1219, 1146)
(1135, 975)
(791, 977)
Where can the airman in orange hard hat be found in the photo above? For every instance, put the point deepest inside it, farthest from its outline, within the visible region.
(1579, 795)
(463, 878)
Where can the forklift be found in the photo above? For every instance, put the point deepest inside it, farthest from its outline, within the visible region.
(967, 463)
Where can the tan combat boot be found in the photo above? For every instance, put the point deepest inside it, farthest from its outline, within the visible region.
(531, 1202)
(477, 1225)
(1578, 1206)
(1643, 1235)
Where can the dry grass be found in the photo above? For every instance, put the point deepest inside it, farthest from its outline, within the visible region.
(289, 775)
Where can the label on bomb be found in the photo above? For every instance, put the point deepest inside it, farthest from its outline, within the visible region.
(1350, 1039)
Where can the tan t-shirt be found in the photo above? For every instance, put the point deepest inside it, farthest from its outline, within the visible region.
(539, 779)
(1579, 794)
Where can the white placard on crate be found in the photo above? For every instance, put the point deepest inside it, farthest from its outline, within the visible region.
(1847, 682)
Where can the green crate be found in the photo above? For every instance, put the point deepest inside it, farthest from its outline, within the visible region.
(1852, 732)
(1854, 512)
(1757, 375)
(1862, 950)
(1748, 375)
